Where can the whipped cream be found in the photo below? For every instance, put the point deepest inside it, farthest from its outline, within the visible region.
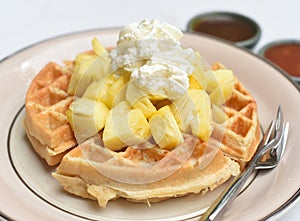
(134, 54)
(146, 29)
(162, 79)
(152, 52)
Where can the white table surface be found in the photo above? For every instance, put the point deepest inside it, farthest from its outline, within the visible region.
(23, 23)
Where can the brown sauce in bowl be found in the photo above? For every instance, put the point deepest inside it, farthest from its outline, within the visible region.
(286, 56)
(230, 29)
(236, 28)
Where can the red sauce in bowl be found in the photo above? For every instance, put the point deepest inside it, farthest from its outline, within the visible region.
(286, 56)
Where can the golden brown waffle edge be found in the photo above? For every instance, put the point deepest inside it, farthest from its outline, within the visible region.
(45, 120)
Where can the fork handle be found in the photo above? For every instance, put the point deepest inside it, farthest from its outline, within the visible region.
(217, 208)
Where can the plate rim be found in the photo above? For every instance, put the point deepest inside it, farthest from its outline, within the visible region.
(288, 204)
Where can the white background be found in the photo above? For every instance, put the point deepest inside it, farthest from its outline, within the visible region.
(23, 23)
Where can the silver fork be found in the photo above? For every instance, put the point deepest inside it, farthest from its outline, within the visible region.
(272, 156)
(269, 153)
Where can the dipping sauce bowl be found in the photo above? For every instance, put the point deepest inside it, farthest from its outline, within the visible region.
(286, 55)
(237, 28)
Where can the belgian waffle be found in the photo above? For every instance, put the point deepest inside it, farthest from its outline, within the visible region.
(46, 124)
(232, 145)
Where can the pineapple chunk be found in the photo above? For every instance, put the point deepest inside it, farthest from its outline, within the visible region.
(224, 76)
(202, 114)
(218, 77)
(181, 109)
(144, 104)
(193, 113)
(220, 84)
(86, 118)
(197, 78)
(110, 90)
(94, 89)
(193, 83)
(76, 86)
(88, 68)
(117, 91)
(164, 129)
(139, 126)
(218, 115)
(211, 80)
(98, 47)
(110, 137)
(124, 127)
(222, 93)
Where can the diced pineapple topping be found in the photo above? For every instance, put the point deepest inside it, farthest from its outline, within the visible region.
(221, 93)
(125, 126)
(218, 115)
(98, 47)
(129, 112)
(211, 80)
(144, 104)
(86, 117)
(89, 68)
(164, 128)
(194, 84)
(139, 126)
(181, 109)
(116, 93)
(110, 137)
(197, 79)
(193, 113)
(202, 116)
(220, 85)
(110, 90)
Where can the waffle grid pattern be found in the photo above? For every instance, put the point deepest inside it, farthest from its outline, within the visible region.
(46, 104)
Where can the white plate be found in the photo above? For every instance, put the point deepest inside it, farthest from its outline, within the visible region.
(28, 192)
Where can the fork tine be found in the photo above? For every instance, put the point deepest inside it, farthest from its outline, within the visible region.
(279, 119)
(279, 125)
(273, 129)
(285, 136)
(278, 132)
(268, 133)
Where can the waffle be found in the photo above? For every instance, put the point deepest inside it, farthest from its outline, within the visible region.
(232, 144)
(46, 124)
(199, 173)
(80, 172)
